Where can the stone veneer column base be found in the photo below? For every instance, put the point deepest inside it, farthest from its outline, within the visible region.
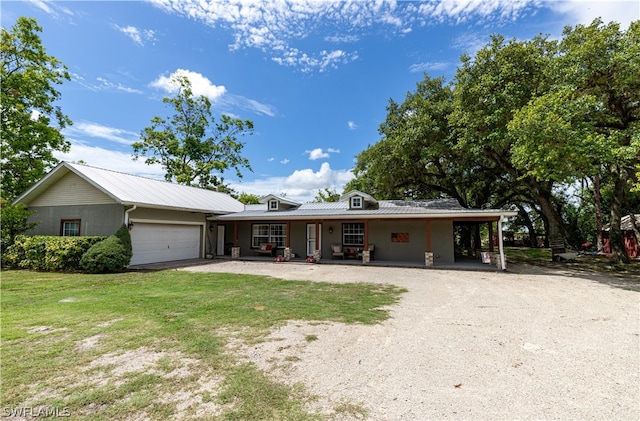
(495, 260)
(428, 259)
(287, 254)
(366, 257)
(235, 252)
(317, 255)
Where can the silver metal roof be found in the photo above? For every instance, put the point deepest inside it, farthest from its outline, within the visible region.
(391, 209)
(130, 189)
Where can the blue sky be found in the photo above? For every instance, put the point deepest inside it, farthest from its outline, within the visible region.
(315, 77)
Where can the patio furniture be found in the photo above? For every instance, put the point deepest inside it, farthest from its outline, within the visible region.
(372, 248)
(266, 249)
(336, 251)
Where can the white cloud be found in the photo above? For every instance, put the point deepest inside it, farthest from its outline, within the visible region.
(108, 85)
(112, 134)
(301, 185)
(200, 85)
(139, 36)
(352, 125)
(317, 153)
(585, 11)
(109, 159)
(280, 28)
(431, 66)
(271, 159)
(285, 161)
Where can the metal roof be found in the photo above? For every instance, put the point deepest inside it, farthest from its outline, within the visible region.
(130, 189)
(386, 209)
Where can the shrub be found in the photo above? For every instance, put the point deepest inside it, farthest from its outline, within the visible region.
(107, 256)
(125, 237)
(42, 252)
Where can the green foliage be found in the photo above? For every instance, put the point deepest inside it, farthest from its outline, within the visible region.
(27, 97)
(326, 195)
(248, 199)
(51, 253)
(14, 220)
(107, 256)
(188, 148)
(125, 238)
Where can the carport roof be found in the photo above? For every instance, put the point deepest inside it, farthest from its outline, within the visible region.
(130, 190)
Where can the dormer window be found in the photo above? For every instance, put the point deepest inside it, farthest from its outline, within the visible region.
(356, 202)
(273, 205)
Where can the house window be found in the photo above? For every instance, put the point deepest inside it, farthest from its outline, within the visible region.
(273, 205)
(70, 227)
(268, 233)
(356, 202)
(353, 234)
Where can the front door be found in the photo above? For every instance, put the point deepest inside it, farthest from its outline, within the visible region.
(220, 241)
(311, 238)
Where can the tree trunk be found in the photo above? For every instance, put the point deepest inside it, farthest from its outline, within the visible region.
(533, 237)
(616, 240)
(597, 199)
(555, 228)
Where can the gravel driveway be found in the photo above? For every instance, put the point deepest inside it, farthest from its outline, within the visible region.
(523, 344)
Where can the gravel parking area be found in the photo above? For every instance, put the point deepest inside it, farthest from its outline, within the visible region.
(524, 344)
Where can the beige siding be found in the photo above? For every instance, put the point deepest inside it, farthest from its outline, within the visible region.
(72, 190)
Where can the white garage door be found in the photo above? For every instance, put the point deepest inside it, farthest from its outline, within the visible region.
(164, 242)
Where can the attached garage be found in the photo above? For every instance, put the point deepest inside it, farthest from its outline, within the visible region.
(154, 243)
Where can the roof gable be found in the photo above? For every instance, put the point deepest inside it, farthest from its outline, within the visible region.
(128, 189)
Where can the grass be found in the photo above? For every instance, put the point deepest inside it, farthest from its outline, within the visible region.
(107, 347)
(584, 263)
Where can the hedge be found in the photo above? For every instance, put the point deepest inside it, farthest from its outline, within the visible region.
(47, 252)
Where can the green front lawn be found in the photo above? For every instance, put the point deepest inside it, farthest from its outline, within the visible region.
(162, 344)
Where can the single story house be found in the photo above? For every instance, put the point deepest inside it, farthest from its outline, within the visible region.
(174, 222)
(358, 226)
(167, 221)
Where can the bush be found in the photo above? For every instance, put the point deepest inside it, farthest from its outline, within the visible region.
(107, 256)
(125, 238)
(43, 252)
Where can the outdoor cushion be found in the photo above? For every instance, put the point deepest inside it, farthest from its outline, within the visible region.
(269, 247)
(263, 247)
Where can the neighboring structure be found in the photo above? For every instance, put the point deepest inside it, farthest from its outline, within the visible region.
(174, 222)
(167, 221)
(400, 231)
(629, 235)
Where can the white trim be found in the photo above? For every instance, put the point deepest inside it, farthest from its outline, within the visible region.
(352, 202)
(500, 247)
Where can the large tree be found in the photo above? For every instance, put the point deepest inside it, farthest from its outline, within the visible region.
(418, 155)
(588, 122)
(489, 89)
(191, 146)
(30, 123)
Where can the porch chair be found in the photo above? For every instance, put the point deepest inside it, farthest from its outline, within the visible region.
(336, 251)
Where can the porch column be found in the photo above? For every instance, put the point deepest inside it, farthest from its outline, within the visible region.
(317, 254)
(366, 254)
(428, 255)
(287, 244)
(503, 260)
(235, 250)
(491, 236)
